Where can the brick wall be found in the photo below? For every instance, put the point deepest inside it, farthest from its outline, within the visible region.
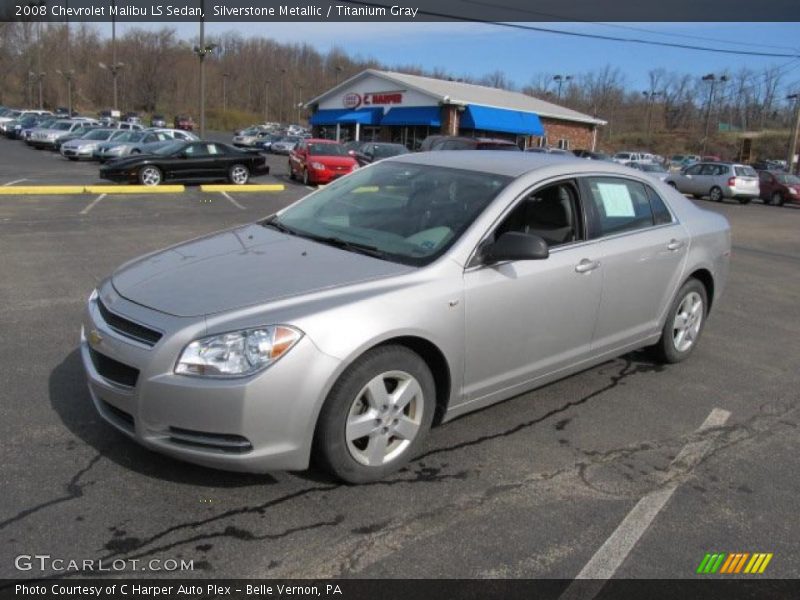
(578, 134)
(450, 120)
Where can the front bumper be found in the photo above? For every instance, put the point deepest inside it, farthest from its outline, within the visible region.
(79, 152)
(738, 192)
(259, 423)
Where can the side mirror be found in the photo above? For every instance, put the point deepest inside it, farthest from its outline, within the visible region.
(514, 245)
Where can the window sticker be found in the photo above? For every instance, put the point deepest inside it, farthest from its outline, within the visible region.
(616, 199)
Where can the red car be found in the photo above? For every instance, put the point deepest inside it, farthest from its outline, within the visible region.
(776, 187)
(320, 161)
(183, 122)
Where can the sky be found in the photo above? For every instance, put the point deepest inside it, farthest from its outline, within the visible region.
(476, 49)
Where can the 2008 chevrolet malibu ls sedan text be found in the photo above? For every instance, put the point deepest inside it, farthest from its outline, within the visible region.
(413, 290)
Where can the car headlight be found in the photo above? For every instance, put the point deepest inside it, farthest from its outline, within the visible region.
(317, 166)
(792, 191)
(238, 353)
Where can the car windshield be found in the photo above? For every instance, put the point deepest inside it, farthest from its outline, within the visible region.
(169, 148)
(136, 136)
(387, 150)
(677, 157)
(250, 131)
(787, 179)
(320, 149)
(745, 171)
(653, 168)
(401, 212)
(62, 126)
(624, 155)
(97, 134)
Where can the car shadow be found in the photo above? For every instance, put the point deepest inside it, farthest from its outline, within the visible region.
(70, 399)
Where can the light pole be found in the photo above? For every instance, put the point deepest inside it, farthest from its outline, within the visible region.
(650, 98)
(713, 79)
(225, 92)
(280, 108)
(68, 75)
(299, 101)
(115, 67)
(40, 73)
(338, 71)
(795, 131)
(560, 79)
(202, 50)
(266, 101)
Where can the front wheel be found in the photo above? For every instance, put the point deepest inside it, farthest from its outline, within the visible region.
(238, 174)
(777, 199)
(715, 195)
(685, 321)
(376, 416)
(306, 178)
(150, 175)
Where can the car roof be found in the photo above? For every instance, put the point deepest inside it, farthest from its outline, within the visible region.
(512, 164)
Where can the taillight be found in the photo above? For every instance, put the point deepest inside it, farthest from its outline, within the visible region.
(732, 182)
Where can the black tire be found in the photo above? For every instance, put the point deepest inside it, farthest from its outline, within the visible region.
(665, 350)
(744, 200)
(672, 184)
(135, 151)
(331, 450)
(697, 196)
(144, 177)
(72, 158)
(715, 194)
(291, 172)
(777, 199)
(306, 180)
(238, 174)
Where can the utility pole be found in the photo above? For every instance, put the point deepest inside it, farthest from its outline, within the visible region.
(650, 98)
(795, 133)
(338, 71)
(202, 50)
(280, 107)
(560, 79)
(39, 72)
(266, 101)
(713, 79)
(115, 67)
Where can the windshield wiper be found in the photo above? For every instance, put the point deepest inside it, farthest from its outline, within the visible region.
(275, 224)
(351, 246)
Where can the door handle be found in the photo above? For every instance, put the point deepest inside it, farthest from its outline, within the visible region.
(587, 265)
(675, 245)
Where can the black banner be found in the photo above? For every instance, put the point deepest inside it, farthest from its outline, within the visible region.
(395, 589)
(541, 11)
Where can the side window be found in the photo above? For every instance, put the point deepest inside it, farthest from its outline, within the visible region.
(694, 170)
(661, 214)
(550, 212)
(708, 170)
(617, 205)
(723, 170)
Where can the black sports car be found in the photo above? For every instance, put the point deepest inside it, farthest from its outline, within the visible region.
(187, 161)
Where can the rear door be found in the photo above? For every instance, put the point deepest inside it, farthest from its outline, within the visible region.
(642, 248)
(766, 182)
(690, 181)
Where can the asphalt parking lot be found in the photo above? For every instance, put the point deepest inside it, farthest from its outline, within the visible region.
(533, 487)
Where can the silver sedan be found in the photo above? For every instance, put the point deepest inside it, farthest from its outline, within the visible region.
(408, 293)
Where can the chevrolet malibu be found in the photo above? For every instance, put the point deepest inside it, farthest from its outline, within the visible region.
(407, 293)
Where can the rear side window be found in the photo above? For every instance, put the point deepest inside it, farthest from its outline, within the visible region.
(617, 205)
(661, 214)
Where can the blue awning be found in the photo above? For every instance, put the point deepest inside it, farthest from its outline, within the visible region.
(364, 116)
(327, 116)
(414, 115)
(501, 120)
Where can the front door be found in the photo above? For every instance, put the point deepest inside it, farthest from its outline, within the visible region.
(525, 319)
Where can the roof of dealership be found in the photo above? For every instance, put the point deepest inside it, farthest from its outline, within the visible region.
(479, 101)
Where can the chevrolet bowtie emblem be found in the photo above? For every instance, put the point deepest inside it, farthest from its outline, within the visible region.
(94, 337)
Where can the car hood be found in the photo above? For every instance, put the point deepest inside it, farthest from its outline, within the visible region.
(79, 142)
(242, 267)
(334, 161)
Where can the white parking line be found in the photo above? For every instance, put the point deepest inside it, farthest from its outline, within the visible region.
(232, 201)
(92, 204)
(13, 182)
(616, 548)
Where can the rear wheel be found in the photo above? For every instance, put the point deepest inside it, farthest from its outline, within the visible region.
(777, 199)
(715, 195)
(684, 325)
(150, 175)
(744, 200)
(376, 416)
(238, 174)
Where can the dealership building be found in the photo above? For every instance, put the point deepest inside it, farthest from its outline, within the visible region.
(395, 107)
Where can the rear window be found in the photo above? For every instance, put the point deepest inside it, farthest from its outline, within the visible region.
(745, 171)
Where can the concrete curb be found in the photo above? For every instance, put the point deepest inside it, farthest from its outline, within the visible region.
(60, 190)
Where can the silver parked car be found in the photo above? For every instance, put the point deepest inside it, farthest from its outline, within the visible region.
(414, 290)
(84, 146)
(717, 180)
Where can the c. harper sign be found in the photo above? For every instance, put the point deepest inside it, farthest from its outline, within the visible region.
(354, 100)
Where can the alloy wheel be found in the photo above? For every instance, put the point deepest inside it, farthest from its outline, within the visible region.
(687, 322)
(150, 176)
(239, 175)
(385, 418)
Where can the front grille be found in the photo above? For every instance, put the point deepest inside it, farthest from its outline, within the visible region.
(124, 419)
(127, 328)
(113, 370)
(217, 441)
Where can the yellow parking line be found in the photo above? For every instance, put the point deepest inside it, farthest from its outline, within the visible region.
(134, 189)
(265, 187)
(41, 189)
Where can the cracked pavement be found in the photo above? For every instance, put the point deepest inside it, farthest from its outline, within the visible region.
(527, 488)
